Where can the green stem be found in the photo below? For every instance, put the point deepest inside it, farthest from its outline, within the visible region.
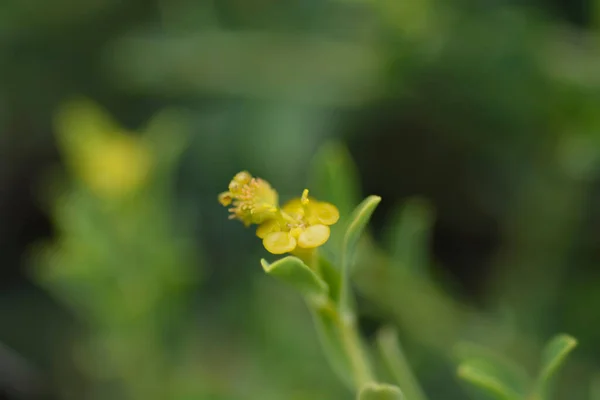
(346, 330)
(342, 343)
(351, 342)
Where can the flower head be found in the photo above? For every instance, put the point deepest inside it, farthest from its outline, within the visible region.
(301, 223)
(253, 200)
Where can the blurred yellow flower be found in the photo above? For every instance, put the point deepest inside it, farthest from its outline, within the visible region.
(110, 161)
(117, 166)
(301, 223)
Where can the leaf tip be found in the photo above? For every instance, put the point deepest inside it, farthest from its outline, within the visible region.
(570, 341)
(375, 199)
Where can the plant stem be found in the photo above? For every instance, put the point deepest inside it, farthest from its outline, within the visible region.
(351, 342)
(346, 331)
(342, 344)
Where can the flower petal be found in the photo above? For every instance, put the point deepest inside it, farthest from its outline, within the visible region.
(279, 242)
(294, 208)
(314, 236)
(267, 227)
(324, 213)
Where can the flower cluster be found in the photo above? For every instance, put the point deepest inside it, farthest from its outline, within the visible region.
(302, 223)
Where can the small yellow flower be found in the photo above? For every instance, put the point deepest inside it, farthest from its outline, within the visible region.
(302, 223)
(253, 200)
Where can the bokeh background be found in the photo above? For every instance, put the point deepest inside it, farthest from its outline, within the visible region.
(478, 122)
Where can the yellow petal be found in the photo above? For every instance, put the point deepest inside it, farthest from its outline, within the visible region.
(324, 213)
(294, 208)
(295, 232)
(279, 242)
(267, 227)
(314, 236)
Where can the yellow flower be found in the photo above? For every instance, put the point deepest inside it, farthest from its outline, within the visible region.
(302, 223)
(116, 167)
(111, 162)
(253, 200)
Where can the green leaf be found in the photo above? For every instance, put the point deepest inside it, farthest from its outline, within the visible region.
(355, 227)
(409, 235)
(396, 363)
(553, 356)
(504, 370)
(485, 376)
(294, 272)
(334, 178)
(380, 391)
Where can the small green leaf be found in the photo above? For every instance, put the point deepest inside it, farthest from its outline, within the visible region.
(487, 378)
(355, 227)
(409, 235)
(359, 220)
(334, 178)
(297, 274)
(505, 370)
(380, 391)
(554, 354)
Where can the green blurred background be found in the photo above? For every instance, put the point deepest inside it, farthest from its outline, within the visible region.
(486, 112)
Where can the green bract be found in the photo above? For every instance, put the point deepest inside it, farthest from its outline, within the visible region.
(294, 272)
